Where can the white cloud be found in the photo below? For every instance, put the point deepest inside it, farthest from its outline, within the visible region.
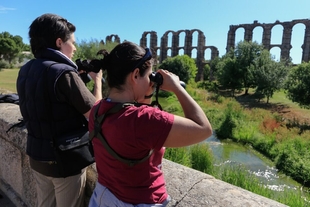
(5, 9)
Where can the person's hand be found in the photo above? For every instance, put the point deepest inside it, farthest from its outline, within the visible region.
(97, 77)
(171, 82)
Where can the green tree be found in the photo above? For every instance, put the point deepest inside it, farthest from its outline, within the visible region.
(229, 74)
(10, 46)
(270, 75)
(213, 68)
(298, 85)
(246, 54)
(88, 49)
(236, 69)
(181, 65)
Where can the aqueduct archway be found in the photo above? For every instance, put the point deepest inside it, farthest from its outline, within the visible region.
(285, 45)
(160, 51)
(175, 47)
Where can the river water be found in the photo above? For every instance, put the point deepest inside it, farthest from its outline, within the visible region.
(228, 152)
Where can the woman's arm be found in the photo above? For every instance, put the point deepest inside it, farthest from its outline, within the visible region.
(194, 127)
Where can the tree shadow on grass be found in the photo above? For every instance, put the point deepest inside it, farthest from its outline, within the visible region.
(291, 117)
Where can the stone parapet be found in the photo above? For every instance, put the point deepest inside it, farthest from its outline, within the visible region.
(187, 187)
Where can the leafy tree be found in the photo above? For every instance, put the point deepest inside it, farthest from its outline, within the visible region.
(228, 73)
(236, 69)
(298, 85)
(246, 54)
(213, 68)
(270, 75)
(10, 46)
(206, 72)
(88, 49)
(181, 65)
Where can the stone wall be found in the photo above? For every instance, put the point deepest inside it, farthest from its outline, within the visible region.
(187, 187)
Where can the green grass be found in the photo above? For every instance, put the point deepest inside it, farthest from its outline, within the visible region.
(279, 97)
(200, 157)
(8, 80)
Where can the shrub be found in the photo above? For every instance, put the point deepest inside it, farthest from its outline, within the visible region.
(181, 65)
(4, 64)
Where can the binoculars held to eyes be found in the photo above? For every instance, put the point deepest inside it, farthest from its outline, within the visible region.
(158, 79)
(92, 66)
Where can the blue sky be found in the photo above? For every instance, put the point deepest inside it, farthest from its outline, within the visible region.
(130, 18)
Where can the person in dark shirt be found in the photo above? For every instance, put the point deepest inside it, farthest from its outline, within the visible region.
(52, 42)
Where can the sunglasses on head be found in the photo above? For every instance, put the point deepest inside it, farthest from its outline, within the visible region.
(147, 56)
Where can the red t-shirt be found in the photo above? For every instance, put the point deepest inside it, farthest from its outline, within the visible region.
(132, 132)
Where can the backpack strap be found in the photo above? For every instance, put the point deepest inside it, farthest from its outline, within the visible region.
(98, 120)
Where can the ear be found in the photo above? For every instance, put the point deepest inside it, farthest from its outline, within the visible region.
(58, 42)
(135, 74)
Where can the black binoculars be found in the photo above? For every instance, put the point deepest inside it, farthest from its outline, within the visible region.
(158, 79)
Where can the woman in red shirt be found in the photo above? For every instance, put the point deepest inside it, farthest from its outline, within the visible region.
(138, 130)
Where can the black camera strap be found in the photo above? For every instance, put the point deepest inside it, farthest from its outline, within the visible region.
(155, 102)
(98, 120)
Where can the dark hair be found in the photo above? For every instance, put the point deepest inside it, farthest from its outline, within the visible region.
(121, 61)
(45, 29)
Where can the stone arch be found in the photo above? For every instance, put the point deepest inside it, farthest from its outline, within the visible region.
(164, 45)
(276, 55)
(188, 47)
(258, 34)
(152, 43)
(175, 46)
(113, 38)
(214, 51)
(297, 42)
(285, 45)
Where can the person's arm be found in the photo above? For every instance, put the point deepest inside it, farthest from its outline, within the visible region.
(97, 91)
(71, 89)
(97, 77)
(194, 127)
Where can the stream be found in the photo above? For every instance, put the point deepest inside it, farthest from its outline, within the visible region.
(228, 152)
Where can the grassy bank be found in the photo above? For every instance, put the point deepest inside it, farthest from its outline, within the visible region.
(285, 142)
(200, 157)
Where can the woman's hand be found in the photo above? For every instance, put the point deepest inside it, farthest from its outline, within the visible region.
(171, 82)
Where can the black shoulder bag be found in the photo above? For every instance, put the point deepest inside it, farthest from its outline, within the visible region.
(98, 120)
(74, 150)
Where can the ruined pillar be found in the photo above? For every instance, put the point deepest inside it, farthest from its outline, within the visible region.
(231, 38)
(266, 36)
(286, 41)
(200, 60)
(163, 47)
(188, 43)
(175, 44)
(306, 44)
(248, 34)
(153, 46)
(143, 39)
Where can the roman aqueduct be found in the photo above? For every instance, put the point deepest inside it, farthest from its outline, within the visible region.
(150, 39)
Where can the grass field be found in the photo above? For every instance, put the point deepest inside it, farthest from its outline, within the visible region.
(8, 80)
